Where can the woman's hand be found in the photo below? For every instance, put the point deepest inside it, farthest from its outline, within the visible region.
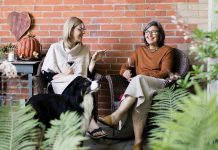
(98, 55)
(127, 74)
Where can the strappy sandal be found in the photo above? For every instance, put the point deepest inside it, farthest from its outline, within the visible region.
(92, 134)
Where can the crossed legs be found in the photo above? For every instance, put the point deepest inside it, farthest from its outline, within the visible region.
(137, 118)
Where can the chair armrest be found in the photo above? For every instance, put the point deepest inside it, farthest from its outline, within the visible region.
(40, 84)
(98, 76)
(117, 86)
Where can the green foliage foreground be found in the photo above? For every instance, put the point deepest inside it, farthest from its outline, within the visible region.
(192, 126)
(20, 131)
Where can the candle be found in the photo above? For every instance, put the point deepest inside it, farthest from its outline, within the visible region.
(11, 56)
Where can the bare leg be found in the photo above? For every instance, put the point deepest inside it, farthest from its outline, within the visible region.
(139, 118)
(138, 125)
(124, 107)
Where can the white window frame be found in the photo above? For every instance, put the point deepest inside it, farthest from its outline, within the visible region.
(212, 16)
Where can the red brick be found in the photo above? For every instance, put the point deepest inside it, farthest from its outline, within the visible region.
(72, 1)
(102, 20)
(51, 2)
(120, 33)
(130, 40)
(100, 33)
(93, 1)
(82, 7)
(108, 40)
(145, 7)
(111, 27)
(131, 27)
(90, 40)
(155, 13)
(123, 20)
(164, 6)
(43, 8)
(134, 13)
(114, 1)
(93, 14)
(114, 14)
(62, 8)
(70, 14)
(51, 14)
(103, 7)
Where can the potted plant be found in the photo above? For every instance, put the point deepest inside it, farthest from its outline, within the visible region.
(6, 50)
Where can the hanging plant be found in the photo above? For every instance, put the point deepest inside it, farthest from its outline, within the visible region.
(29, 48)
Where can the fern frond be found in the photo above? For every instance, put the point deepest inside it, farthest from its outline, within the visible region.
(194, 127)
(65, 133)
(165, 103)
(18, 128)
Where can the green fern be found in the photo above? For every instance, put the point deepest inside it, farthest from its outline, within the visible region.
(65, 133)
(194, 127)
(18, 128)
(165, 103)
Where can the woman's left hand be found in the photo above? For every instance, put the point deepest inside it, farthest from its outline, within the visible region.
(98, 55)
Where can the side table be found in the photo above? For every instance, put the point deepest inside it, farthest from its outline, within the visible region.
(29, 68)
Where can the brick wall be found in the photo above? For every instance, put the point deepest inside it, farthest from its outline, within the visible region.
(115, 25)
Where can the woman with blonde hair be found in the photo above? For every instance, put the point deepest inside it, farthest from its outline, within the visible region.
(69, 58)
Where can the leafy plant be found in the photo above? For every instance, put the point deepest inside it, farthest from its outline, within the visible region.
(186, 82)
(164, 105)
(194, 126)
(18, 128)
(7, 48)
(203, 45)
(65, 133)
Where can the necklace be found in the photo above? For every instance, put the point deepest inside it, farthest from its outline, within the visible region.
(152, 49)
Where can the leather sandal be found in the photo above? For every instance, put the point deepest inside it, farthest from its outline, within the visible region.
(93, 134)
(107, 120)
(138, 146)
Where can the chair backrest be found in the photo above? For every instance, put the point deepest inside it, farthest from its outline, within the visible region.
(181, 63)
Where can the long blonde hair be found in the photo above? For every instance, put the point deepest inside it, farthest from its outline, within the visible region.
(70, 25)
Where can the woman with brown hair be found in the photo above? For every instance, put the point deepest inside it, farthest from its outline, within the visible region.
(153, 63)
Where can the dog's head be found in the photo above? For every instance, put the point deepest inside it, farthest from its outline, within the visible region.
(87, 86)
(82, 86)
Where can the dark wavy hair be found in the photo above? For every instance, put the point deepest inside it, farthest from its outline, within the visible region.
(161, 35)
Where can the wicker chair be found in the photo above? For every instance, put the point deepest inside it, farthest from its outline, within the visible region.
(41, 85)
(118, 84)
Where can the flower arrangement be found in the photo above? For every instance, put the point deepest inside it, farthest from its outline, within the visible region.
(8, 69)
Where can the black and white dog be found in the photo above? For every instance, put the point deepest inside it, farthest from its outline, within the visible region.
(77, 98)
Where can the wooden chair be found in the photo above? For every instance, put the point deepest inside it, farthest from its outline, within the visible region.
(41, 86)
(118, 84)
